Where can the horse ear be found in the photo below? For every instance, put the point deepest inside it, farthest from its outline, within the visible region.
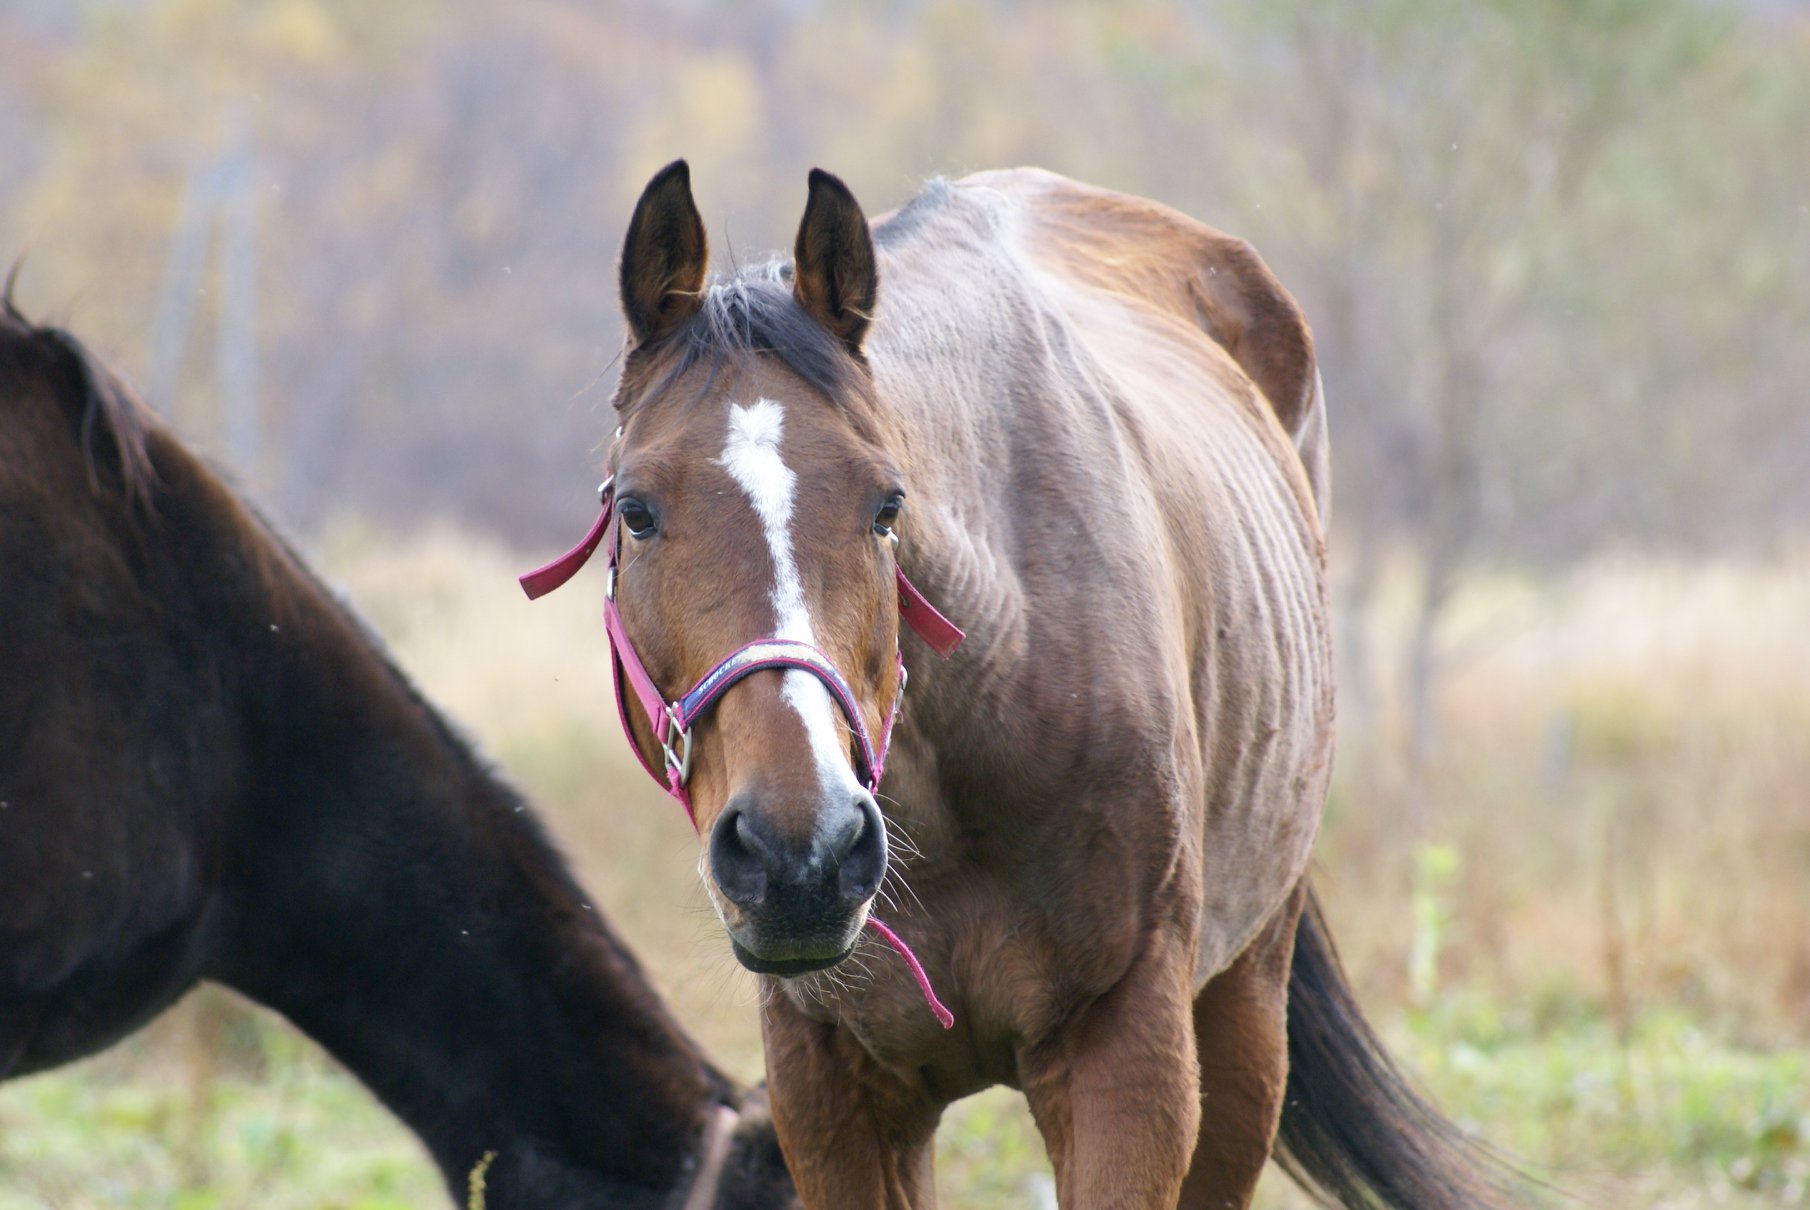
(833, 272)
(664, 256)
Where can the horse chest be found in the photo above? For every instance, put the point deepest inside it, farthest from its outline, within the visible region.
(1016, 951)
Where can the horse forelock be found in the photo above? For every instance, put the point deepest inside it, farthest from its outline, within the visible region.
(745, 318)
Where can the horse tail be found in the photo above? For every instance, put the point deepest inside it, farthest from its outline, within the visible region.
(1355, 1132)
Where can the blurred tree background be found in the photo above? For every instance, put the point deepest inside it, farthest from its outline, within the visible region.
(1556, 254)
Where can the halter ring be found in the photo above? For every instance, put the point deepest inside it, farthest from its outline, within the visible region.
(676, 762)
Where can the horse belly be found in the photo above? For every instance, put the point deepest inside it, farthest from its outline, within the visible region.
(1265, 700)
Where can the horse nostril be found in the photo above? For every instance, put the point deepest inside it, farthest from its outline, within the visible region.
(739, 857)
(749, 834)
(862, 864)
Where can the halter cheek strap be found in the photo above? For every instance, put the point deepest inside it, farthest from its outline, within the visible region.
(672, 721)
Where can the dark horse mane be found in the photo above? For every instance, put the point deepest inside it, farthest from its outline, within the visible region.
(265, 800)
(118, 433)
(111, 411)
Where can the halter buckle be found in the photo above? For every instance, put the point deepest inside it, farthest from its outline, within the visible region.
(677, 762)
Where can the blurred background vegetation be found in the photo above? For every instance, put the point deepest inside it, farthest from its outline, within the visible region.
(1557, 258)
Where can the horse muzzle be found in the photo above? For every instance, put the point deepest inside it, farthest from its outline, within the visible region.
(793, 905)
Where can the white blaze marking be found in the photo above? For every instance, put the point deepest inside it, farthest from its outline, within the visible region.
(752, 458)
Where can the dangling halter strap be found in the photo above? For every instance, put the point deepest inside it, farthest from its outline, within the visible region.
(672, 721)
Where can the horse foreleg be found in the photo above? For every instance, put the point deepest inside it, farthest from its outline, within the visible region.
(1241, 1028)
(1115, 1094)
(855, 1136)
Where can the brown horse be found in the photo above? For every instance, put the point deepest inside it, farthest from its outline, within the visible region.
(1108, 421)
(208, 769)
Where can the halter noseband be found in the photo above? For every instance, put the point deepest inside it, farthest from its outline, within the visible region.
(672, 722)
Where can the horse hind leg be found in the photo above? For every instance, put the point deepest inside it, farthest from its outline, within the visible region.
(1241, 1034)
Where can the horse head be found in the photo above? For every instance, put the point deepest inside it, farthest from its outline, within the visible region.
(757, 509)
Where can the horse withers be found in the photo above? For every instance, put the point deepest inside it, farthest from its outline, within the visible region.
(1089, 430)
(210, 770)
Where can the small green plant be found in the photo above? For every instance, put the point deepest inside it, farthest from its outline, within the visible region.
(1435, 865)
(474, 1200)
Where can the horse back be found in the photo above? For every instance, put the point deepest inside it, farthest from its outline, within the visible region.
(1166, 265)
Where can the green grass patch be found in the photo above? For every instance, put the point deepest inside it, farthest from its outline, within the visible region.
(1584, 1099)
(309, 1137)
(1671, 1114)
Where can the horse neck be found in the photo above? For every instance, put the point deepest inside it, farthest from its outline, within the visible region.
(402, 906)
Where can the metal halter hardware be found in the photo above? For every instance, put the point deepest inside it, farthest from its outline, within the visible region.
(676, 762)
(672, 722)
(674, 740)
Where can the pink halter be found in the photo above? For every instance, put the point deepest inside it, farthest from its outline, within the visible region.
(672, 721)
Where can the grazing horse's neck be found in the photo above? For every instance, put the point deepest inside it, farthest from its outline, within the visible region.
(389, 895)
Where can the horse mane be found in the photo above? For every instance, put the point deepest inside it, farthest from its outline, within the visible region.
(111, 410)
(745, 315)
(935, 195)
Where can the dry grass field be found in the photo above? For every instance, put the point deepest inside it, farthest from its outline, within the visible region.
(1593, 951)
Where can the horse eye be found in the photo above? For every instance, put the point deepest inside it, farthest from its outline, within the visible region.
(635, 515)
(888, 516)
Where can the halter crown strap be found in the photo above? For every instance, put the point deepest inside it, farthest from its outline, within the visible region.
(918, 613)
(543, 580)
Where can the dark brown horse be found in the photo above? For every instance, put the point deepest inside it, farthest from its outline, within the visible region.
(209, 770)
(1090, 430)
